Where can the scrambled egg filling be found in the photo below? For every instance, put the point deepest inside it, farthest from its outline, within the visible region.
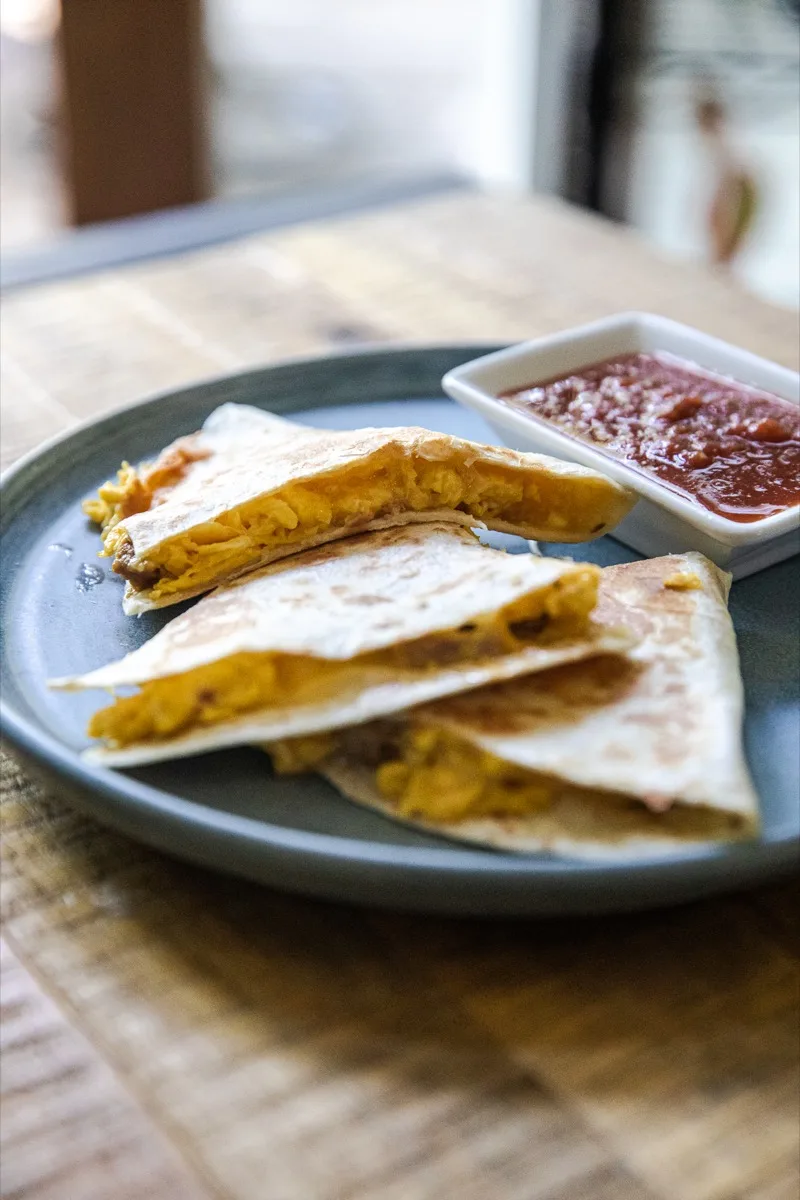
(683, 581)
(431, 772)
(294, 756)
(248, 682)
(444, 778)
(436, 775)
(299, 512)
(118, 498)
(134, 489)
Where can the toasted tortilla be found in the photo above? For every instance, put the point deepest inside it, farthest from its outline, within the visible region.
(250, 488)
(359, 628)
(639, 754)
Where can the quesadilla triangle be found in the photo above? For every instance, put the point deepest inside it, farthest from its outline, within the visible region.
(362, 627)
(250, 488)
(631, 755)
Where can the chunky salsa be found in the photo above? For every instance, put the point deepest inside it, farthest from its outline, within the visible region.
(730, 447)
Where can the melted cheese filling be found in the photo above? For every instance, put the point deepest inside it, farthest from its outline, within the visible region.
(432, 773)
(428, 772)
(441, 777)
(299, 513)
(118, 498)
(248, 682)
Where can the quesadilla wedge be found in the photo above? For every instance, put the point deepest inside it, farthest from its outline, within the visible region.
(250, 488)
(359, 628)
(636, 754)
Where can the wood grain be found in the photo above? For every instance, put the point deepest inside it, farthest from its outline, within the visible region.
(175, 1033)
(69, 1127)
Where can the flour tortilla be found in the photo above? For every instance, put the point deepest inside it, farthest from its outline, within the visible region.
(341, 601)
(661, 726)
(248, 453)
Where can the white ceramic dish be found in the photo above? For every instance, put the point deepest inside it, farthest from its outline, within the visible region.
(663, 521)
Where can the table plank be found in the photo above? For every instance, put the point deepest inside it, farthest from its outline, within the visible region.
(272, 1047)
(418, 273)
(31, 416)
(69, 1127)
(278, 1035)
(701, 1014)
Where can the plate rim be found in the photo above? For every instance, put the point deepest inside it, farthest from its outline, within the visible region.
(115, 796)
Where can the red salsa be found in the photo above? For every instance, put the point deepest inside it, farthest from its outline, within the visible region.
(730, 447)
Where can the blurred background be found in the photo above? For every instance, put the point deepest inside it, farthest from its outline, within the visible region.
(680, 117)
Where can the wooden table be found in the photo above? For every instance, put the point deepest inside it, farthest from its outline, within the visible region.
(171, 1033)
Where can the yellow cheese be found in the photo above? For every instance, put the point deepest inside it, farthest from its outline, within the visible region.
(116, 496)
(430, 773)
(296, 755)
(298, 513)
(433, 774)
(443, 778)
(246, 682)
(683, 581)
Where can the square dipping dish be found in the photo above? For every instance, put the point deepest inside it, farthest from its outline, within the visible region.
(665, 520)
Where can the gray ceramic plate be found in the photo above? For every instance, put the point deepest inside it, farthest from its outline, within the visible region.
(225, 809)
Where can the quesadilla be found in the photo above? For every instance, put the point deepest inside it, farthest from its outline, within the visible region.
(250, 488)
(335, 636)
(636, 753)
